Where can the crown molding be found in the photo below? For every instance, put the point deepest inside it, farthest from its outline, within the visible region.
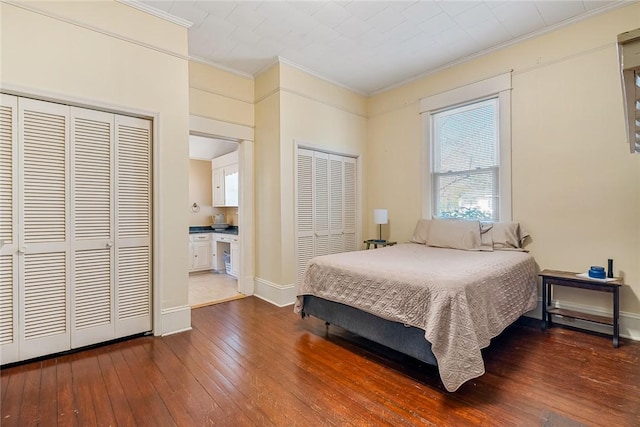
(157, 12)
(214, 64)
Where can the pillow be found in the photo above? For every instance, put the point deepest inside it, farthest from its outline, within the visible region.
(486, 239)
(421, 231)
(455, 234)
(507, 236)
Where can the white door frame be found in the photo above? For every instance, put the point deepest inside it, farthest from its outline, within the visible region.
(244, 135)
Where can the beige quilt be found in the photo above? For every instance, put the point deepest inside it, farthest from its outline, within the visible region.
(461, 299)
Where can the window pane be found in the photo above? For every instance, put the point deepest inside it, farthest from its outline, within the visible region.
(466, 137)
(466, 195)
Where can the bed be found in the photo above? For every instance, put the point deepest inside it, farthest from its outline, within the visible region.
(440, 298)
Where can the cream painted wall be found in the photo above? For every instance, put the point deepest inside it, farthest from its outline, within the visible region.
(99, 58)
(292, 105)
(267, 181)
(312, 122)
(220, 95)
(200, 192)
(576, 188)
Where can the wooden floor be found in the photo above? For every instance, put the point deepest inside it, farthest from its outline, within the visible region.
(247, 362)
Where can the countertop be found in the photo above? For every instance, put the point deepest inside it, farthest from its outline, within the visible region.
(199, 229)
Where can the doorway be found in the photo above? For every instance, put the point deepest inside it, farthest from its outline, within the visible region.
(213, 220)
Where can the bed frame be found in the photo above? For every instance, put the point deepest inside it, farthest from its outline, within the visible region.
(408, 340)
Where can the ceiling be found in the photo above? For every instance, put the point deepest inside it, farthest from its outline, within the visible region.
(204, 148)
(366, 46)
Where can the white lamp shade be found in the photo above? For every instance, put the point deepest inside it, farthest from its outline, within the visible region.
(380, 216)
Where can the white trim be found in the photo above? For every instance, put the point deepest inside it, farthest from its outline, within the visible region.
(279, 295)
(175, 320)
(499, 85)
(466, 93)
(204, 126)
(246, 218)
(300, 144)
(629, 322)
(320, 76)
(220, 66)
(158, 13)
(243, 135)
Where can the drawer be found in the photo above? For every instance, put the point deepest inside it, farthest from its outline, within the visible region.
(200, 237)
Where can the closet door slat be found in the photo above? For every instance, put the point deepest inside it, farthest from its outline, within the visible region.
(8, 228)
(44, 237)
(133, 226)
(92, 182)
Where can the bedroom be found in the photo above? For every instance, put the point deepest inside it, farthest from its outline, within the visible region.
(560, 135)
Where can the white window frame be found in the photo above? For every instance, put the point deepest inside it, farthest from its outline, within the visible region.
(500, 87)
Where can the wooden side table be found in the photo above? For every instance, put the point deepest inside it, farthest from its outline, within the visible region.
(569, 279)
(376, 243)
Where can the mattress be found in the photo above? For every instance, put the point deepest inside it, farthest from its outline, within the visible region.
(460, 299)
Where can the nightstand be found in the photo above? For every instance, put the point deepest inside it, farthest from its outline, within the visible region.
(377, 243)
(565, 278)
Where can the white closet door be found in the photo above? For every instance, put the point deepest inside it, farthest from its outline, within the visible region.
(8, 229)
(350, 206)
(133, 226)
(92, 193)
(321, 203)
(304, 211)
(44, 236)
(336, 195)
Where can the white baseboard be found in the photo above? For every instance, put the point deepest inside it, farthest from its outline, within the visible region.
(629, 322)
(175, 319)
(273, 293)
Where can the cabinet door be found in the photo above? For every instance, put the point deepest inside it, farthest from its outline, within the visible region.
(217, 176)
(191, 256)
(201, 255)
(8, 229)
(231, 185)
(235, 254)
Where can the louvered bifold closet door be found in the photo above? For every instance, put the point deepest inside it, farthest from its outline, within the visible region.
(336, 243)
(133, 226)
(92, 195)
(350, 206)
(8, 229)
(44, 233)
(304, 211)
(321, 203)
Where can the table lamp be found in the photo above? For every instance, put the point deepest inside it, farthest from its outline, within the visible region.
(380, 216)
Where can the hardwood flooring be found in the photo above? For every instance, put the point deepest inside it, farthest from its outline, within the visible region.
(247, 363)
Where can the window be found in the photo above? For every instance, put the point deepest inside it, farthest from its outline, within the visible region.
(467, 152)
(465, 164)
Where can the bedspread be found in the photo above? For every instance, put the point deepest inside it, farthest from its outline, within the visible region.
(461, 299)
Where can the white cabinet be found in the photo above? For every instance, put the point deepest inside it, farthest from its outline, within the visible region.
(235, 256)
(230, 244)
(217, 175)
(200, 252)
(224, 177)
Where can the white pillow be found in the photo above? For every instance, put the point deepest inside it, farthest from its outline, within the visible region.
(455, 234)
(421, 231)
(507, 235)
